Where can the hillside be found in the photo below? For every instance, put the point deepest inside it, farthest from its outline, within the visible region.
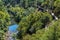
(36, 19)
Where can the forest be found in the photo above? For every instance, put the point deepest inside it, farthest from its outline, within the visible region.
(36, 19)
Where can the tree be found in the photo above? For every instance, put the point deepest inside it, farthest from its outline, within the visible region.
(4, 23)
(17, 13)
(52, 6)
(52, 31)
(33, 22)
(36, 36)
(33, 18)
(11, 2)
(57, 9)
(2, 7)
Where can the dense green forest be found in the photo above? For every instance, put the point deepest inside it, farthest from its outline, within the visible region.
(37, 19)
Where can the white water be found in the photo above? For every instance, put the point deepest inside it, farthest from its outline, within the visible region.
(56, 18)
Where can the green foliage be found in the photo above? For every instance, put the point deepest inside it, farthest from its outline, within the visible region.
(2, 7)
(23, 3)
(36, 36)
(17, 13)
(57, 3)
(52, 5)
(4, 22)
(52, 31)
(49, 33)
(57, 9)
(34, 22)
